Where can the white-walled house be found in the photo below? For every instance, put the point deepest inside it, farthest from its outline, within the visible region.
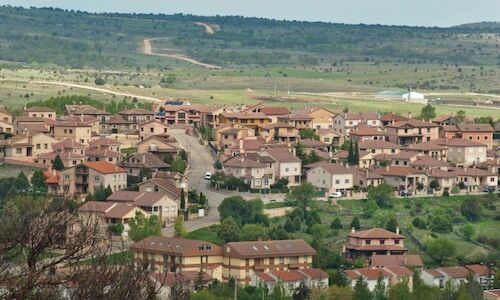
(287, 164)
(331, 177)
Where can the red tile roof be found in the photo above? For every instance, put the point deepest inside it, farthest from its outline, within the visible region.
(104, 167)
(399, 271)
(274, 111)
(377, 145)
(480, 270)
(455, 272)
(375, 233)
(288, 276)
(412, 260)
(176, 246)
(314, 273)
(257, 249)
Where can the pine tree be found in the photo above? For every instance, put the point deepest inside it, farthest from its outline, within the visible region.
(355, 223)
(350, 155)
(361, 291)
(58, 163)
(356, 154)
(22, 183)
(380, 292)
(108, 191)
(38, 180)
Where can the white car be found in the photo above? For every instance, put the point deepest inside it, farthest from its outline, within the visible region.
(335, 195)
(208, 176)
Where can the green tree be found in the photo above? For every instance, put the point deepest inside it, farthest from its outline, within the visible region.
(312, 158)
(302, 292)
(400, 291)
(243, 211)
(442, 249)
(440, 224)
(58, 164)
(38, 181)
(142, 227)
(468, 231)
(116, 229)
(308, 133)
(382, 195)
(278, 233)
(304, 194)
(179, 228)
(336, 224)
(289, 225)
(471, 209)
(434, 184)
(428, 112)
(229, 230)
(370, 207)
(356, 154)
(460, 116)
(355, 223)
(361, 291)
(179, 166)
(108, 191)
(380, 292)
(253, 232)
(392, 224)
(350, 154)
(22, 183)
(473, 288)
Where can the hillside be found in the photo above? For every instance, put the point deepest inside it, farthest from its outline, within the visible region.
(78, 39)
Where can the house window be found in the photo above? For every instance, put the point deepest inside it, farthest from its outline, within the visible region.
(38, 146)
(45, 146)
(96, 178)
(337, 181)
(382, 242)
(368, 242)
(346, 181)
(396, 242)
(287, 169)
(156, 189)
(71, 131)
(19, 151)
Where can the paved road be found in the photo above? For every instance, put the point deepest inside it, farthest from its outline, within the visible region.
(200, 162)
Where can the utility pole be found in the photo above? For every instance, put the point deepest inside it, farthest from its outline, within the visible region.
(235, 289)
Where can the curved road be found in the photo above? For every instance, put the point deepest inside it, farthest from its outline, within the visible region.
(148, 50)
(200, 162)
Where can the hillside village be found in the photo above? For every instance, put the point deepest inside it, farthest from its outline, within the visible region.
(140, 162)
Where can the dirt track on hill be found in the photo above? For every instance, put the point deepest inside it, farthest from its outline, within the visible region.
(148, 50)
(209, 29)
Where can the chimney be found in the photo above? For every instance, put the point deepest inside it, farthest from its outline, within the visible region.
(397, 229)
(81, 117)
(353, 230)
(241, 145)
(409, 115)
(387, 168)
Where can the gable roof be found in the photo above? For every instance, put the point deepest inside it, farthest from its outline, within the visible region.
(104, 167)
(331, 168)
(282, 155)
(274, 110)
(455, 272)
(376, 233)
(176, 246)
(377, 145)
(166, 185)
(412, 260)
(68, 144)
(243, 161)
(367, 273)
(39, 109)
(258, 249)
(145, 160)
(104, 141)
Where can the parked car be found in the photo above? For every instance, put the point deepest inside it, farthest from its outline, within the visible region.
(208, 176)
(335, 195)
(405, 193)
(488, 189)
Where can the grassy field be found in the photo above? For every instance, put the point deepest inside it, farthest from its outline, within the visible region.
(404, 210)
(304, 86)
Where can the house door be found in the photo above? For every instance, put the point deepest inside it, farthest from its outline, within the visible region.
(29, 151)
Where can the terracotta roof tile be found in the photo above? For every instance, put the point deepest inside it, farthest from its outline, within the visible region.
(412, 260)
(375, 233)
(104, 167)
(258, 249)
(288, 276)
(176, 246)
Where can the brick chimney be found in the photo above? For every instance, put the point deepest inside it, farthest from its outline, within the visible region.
(353, 230)
(397, 229)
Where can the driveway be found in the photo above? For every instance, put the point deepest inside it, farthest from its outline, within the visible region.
(200, 162)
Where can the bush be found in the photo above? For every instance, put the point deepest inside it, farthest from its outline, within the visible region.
(336, 224)
(440, 224)
(116, 229)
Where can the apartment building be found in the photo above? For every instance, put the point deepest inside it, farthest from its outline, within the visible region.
(189, 114)
(241, 260)
(166, 254)
(89, 176)
(29, 145)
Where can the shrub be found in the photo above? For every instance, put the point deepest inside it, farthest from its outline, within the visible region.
(116, 229)
(440, 224)
(419, 223)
